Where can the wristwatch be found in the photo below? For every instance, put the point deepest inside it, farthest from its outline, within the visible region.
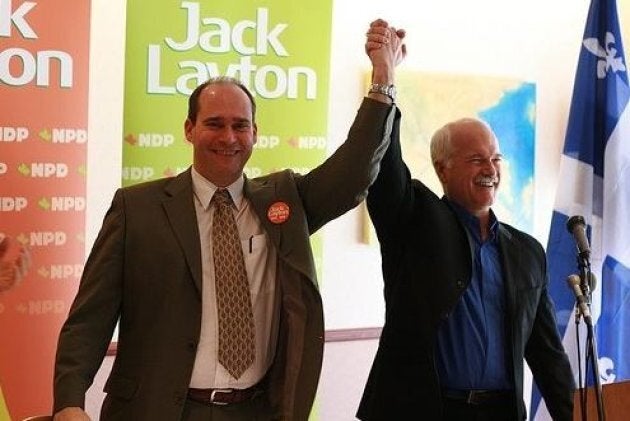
(387, 90)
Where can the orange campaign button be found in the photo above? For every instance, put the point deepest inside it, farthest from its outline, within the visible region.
(278, 212)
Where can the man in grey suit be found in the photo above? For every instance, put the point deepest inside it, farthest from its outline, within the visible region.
(151, 269)
(466, 295)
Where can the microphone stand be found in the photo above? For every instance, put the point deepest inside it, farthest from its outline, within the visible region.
(591, 342)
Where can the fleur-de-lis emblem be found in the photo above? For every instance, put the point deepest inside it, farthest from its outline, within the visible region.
(607, 370)
(608, 53)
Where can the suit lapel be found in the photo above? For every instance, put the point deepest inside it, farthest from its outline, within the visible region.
(511, 262)
(180, 211)
(262, 193)
(290, 238)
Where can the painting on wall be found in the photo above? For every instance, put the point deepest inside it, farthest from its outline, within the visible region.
(429, 100)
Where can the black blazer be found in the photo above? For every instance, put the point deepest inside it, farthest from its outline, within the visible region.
(426, 262)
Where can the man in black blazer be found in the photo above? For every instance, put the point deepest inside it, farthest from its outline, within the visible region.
(466, 295)
(152, 270)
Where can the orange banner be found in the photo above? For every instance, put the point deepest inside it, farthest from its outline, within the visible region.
(43, 140)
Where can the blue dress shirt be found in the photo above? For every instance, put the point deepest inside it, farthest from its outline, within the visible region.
(472, 348)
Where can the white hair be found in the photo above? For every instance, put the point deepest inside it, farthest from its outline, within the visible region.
(441, 147)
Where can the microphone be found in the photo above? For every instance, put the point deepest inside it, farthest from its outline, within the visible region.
(577, 227)
(592, 281)
(574, 283)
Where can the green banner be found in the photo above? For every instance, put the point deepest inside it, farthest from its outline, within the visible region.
(279, 49)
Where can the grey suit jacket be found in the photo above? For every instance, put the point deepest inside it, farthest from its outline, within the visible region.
(145, 272)
(427, 263)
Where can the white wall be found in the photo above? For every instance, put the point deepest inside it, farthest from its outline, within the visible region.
(105, 110)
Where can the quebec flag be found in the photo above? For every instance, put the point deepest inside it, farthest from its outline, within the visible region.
(595, 183)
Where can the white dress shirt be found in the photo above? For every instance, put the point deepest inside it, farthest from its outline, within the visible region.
(260, 263)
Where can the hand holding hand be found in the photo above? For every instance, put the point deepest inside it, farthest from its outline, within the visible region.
(385, 47)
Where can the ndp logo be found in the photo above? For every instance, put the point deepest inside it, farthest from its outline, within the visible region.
(62, 203)
(13, 204)
(61, 271)
(150, 140)
(267, 142)
(13, 134)
(43, 170)
(307, 142)
(63, 135)
(44, 238)
(137, 173)
(41, 307)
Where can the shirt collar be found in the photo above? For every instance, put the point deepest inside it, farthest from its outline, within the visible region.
(471, 222)
(204, 189)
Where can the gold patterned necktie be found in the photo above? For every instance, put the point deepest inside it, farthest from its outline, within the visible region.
(234, 307)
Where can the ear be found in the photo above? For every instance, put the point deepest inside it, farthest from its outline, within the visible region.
(440, 170)
(188, 127)
(255, 133)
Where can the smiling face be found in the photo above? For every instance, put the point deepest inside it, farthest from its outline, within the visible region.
(471, 170)
(222, 133)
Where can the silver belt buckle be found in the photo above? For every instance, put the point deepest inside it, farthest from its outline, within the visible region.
(213, 396)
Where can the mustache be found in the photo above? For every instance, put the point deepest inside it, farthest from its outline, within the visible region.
(486, 179)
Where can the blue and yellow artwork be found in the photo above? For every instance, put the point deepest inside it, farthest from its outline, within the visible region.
(429, 100)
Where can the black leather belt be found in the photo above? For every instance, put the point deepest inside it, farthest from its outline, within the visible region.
(479, 397)
(223, 396)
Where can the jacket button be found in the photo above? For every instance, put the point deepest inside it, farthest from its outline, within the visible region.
(460, 284)
(192, 346)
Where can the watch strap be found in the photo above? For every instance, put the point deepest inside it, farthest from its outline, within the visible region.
(387, 90)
